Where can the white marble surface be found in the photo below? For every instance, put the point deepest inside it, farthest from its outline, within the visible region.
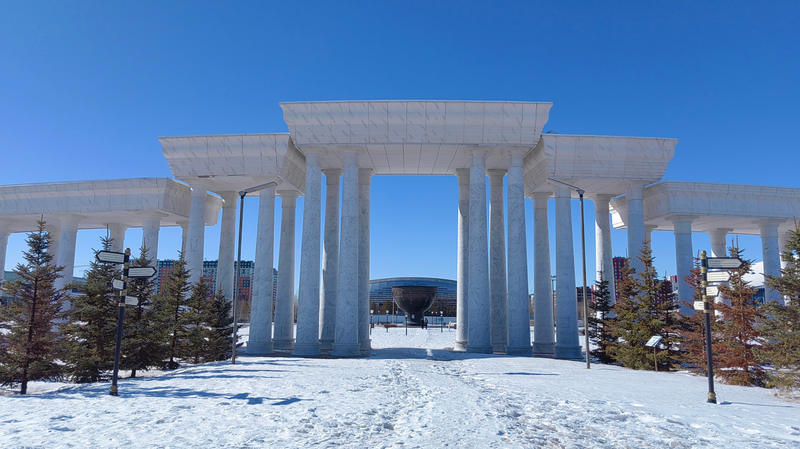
(66, 248)
(498, 306)
(283, 333)
(330, 260)
(4, 233)
(116, 232)
(307, 342)
(53, 227)
(479, 340)
(519, 335)
(543, 334)
(260, 340)
(719, 244)
(364, 181)
(684, 256)
(602, 235)
(227, 243)
(635, 221)
(346, 342)
(770, 250)
(150, 230)
(567, 346)
(462, 267)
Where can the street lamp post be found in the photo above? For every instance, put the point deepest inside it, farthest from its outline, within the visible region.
(441, 321)
(242, 194)
(583, 255)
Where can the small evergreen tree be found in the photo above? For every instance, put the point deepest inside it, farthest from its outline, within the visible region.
(220, 324)
(144, 325)
(175, 301)
(193, 345)
(739, 336)
(692, 327)
(599, 318)
(781, 326)
(91, 331)
(643, 312)
(28, 338)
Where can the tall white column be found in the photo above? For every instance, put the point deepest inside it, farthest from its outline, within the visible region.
(684, 254)
(346, 342)
(519, 320)
(66, 250)
(602, 232)
(196, 233)
(648, 235)
(53, 227)
(771, 253)
(260, 341)
(227, 244)
(4, 233)
(543, 333)
(116, 232)
(462, 268)
(636, 230)
(479, 329)
(151, 225)
(308, 295)
(498, 293)
(184, 224)
(719, 245)
(364, 182)
(330, 260)
(283, 334)
(567, 346)
(783, 239)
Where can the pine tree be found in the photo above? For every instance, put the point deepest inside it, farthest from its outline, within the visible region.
(29, 341)
(599, 318)
(220, 324)
(175, 300)
(193, 345)
(739, 335)
(91, 331)
(781, 326)
(692, 327)
(143, 328)
(642, 313)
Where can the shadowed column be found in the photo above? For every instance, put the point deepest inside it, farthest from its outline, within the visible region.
(283, 334)
(330, 260)
(462, 276)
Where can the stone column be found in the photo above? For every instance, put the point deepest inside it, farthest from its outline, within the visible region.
(53, 227)
(66, 250)
(519, 320)
(308, 294)
(151, 225)
(479, 329)
(196, 233)
(116, 232)
(783, 239)
(636, 230)
(260, 341)
(684, 254)
(364, 182)
(4, 233)
(498, 293)
(184, 224)
(567, 346)
(604, 259)
(227, 245)
(543, 333)
(330, 260)
(346, 342)
(648, 235)
(719, 246)
(462, 270)
(283, 334)
(771, 253)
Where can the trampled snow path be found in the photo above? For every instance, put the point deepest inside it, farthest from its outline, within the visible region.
(412, 394)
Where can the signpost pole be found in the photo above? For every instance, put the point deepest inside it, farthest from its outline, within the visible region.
(712, 397)
(121, 305)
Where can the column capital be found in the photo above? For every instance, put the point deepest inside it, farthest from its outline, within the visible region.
(182, 223)
(267, 193)
(649, 228)
(199, 186)
(5, 224)
(228, 198)
(560, 191)
(725, 231)
(496, 175)
(463, 176)
(600, 197)
(476, 150)
(152, 214)
(365, 176)
(675, 219)
(634, 190)
(769, 226)
(540, 198)
(332, 175)
(70, 219)
(288, 195)
(349, 149)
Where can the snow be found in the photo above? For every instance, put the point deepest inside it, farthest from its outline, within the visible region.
(411, 392)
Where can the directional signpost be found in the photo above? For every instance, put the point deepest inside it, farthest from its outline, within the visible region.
(713, 263)
(121, 286)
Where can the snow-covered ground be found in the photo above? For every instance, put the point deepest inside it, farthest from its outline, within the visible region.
(410, 393)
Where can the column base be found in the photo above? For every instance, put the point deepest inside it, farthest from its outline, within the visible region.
(259, 348)
(346, 350)
(284, 345)
(365, 346)
(499, 347)
(544, 348)
(460, 345)
(568, 353)
(523, 351)
(306, 350)
(326, 345)
(479, 349)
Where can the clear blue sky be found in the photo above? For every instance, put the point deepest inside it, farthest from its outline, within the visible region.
(87, 87)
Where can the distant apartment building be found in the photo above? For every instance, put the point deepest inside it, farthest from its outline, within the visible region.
(165, 267)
